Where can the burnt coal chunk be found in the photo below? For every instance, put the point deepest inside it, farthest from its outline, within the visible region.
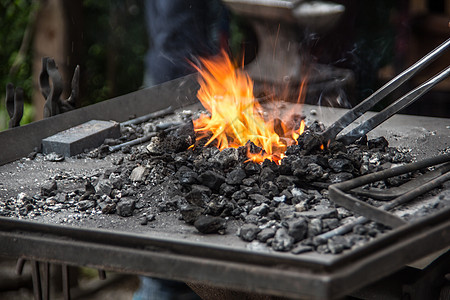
(258, 199)
(49, 189)
(190, 213)
(248, 232)
(336, 146)
(239, 195)
(228, 190)
(186, 176)
(125, 207)
(297, 228)
(294, 150)
(269, 189)
(209, 224)
(378, 143)
(260, 210)
(267, 174)
(252, 168)
(340, 177)
(216, 206)
(284, 181)
(199, 195)
(85, 205)
(310, 141)
(298, 249)
(266, 234)
(314, 227)
(282, 241)
(212, 179)
(270, 164)
(341, 165)
(235, 177)
(226, 158)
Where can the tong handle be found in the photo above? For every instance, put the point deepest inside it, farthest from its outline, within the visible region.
(392, 109)
(369, 102)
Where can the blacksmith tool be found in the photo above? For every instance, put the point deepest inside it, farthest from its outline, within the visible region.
(339, 194)
(353, 114)
(14, 105)
(52, 93)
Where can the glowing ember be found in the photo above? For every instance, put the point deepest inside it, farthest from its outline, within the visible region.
(236, 117)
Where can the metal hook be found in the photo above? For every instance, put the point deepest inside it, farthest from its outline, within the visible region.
(14, 104)
(52, 93)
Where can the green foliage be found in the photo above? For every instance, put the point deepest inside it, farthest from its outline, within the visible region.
(114, 46)
(15, 67)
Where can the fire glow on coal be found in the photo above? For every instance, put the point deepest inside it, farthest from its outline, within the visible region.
(236, 117)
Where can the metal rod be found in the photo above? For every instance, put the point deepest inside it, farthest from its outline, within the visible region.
(133, 142)
(36, 276)
(149, 116)
(142, 139)
(368, 103)
(46, 282)
(392, 109)
(19, 266)
(425, 163)
(65, 282)
(432, 184)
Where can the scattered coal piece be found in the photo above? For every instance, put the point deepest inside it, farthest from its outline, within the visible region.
(190, 213)
(125, 207)
(85, 205)
(297, 228)
(298, 249)
(248, 232)
(212, 179)
(282, 241)
(49, 189)
(341, 165)
(210, 224)
(265, 234)
(187, 176)
(235, 177)
(139, 173)
(379, 142)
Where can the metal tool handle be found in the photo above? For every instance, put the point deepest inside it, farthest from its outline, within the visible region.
(392, 109)
(368, 103)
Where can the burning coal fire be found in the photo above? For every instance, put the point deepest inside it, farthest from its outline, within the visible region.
(236, 117)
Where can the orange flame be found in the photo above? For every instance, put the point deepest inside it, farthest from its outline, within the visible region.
(236, 117)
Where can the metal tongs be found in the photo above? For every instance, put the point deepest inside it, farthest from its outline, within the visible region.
(353, 114)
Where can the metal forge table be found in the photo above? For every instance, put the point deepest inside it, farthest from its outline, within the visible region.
(174, 250)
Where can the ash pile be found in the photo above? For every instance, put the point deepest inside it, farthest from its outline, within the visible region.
(281, 207)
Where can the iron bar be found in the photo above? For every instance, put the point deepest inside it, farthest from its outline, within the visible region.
(36, 276)
(153, 115)
(65, 281)
(143, 139)
(19, 266)
(377, 96)
(46, 281)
